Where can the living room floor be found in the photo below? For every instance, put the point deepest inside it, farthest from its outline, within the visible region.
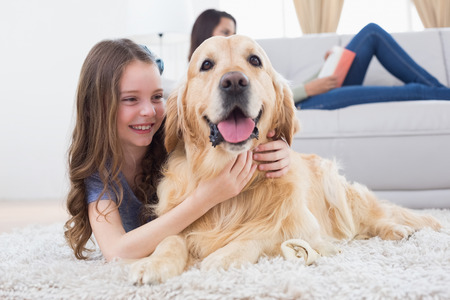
(19, 214)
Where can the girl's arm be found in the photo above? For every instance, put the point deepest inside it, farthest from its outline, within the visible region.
(142, 241)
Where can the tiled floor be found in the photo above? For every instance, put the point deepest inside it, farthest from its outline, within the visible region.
(17, 214)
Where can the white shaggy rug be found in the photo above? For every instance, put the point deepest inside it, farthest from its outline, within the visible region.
(35, 263)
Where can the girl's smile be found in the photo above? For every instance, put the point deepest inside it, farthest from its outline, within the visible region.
(142, 128)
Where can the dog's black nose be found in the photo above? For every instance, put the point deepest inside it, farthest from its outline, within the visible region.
(234, 82)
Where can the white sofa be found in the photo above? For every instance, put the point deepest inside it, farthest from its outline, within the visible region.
(401, 150)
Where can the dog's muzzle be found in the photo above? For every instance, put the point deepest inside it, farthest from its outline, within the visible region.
(216, 136)
(235, 126)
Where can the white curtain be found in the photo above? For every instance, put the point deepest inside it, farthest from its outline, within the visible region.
(318, 16)
(433, 13)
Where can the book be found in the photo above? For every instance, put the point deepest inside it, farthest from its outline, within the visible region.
(338, 63)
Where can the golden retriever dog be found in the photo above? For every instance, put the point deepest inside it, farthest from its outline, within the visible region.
(229, 100)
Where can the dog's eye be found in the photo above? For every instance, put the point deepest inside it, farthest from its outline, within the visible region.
(206, 65)
(254, 61)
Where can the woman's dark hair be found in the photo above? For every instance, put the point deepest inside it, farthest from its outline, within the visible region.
(204, 27)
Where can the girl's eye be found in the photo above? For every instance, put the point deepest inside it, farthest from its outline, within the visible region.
(255, 61)
(130, 99)
(157, 98)
(207, 65)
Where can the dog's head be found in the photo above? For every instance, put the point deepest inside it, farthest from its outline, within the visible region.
(231, 98)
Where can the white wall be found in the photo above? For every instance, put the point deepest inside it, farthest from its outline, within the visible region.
(43, 44)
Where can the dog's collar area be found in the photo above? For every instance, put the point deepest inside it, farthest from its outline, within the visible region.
(215, 137)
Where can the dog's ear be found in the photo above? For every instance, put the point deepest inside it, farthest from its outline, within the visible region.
(286, 124)
(174, 118)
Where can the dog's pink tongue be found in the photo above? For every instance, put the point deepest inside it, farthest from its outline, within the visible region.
(236, 128)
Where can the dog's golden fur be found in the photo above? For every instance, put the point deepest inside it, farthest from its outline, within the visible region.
(312, 201)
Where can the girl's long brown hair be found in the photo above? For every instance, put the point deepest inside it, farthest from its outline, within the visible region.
(95, 145)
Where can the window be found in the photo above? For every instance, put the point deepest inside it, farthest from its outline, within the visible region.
(392, 15)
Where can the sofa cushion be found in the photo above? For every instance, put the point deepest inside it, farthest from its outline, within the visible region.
(445, 37)
(395, 145)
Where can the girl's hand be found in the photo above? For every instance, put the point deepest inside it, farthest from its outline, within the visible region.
(321, 85)
(274, 157)
(229, 182)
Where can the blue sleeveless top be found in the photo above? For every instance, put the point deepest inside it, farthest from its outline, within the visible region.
(130, 207)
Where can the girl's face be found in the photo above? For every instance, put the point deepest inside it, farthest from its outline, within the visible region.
(141, 105)
(224, 28)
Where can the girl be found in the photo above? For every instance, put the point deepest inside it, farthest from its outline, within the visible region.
(117, 152)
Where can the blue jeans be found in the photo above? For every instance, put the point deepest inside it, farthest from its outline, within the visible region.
(371, 41)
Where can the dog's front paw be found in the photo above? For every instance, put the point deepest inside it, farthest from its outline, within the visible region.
(153, 270)
(326, 248)
(396, 232)
(233, 255)
(215, 262)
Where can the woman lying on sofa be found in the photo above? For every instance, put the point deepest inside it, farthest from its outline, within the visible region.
(372, 40)
(323, 93)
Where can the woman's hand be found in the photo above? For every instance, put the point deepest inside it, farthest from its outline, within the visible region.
(274, 157)
(229, 182)
(321, 85)
(328, 53)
